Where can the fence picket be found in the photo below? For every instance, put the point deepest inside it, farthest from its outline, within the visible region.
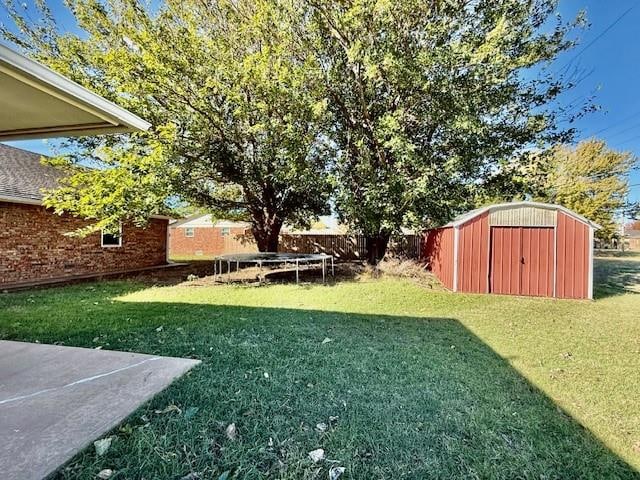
(347, 247)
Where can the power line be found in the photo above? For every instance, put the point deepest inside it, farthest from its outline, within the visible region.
(629, 140)
(614, 125)
(632, 127)
(602, 34)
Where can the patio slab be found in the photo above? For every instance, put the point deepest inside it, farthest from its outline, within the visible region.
(55, 400)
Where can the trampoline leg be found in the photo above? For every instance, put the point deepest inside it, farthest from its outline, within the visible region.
(324, 270)
(229, 271)
(333, 271)
(297, 274)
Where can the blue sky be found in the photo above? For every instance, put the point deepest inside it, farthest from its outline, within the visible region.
(608, 54)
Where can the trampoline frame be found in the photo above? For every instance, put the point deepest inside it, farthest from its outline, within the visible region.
(272, 258)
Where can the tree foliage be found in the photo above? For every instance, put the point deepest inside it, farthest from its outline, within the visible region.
(423, 102)
(428, 97)
(233, 97)
(592, 180)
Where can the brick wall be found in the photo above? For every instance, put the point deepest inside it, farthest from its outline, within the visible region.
(33, 246)
(209, 241)
(634, 244)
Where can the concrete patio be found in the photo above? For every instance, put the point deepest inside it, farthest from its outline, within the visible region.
(56, 400)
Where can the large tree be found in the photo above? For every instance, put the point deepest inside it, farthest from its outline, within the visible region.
(592, 180)
(429, 97)
(232, 95)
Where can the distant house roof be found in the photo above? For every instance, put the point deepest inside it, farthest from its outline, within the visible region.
(465, 217)
(37, 102)
(23, 176)
(206, 220)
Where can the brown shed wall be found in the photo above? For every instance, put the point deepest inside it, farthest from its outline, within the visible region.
(473, 255)
(437, 251)
(573, 255)
(34, 247)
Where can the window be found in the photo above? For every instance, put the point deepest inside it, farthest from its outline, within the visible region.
(188, 232)
(226, 231)
(112, 239)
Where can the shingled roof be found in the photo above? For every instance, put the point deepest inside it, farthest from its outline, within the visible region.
(22, 175)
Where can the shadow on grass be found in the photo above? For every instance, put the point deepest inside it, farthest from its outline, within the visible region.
(616, 276)
(400, 397)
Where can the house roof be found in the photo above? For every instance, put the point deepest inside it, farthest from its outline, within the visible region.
(325, 225)
(465, 217)
(632, 234)
(23, 176)
(37, 102)
(205, 220)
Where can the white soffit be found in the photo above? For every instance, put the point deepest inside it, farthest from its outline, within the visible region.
(36, 102)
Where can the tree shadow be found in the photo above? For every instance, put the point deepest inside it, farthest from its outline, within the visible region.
(399, 396)
(616, 276)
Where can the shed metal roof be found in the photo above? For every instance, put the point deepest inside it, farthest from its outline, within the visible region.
(36, 102)
(465, 217)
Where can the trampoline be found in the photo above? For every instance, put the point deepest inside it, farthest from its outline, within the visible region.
(269, 258)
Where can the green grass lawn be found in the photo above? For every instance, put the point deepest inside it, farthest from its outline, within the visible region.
(412, 383)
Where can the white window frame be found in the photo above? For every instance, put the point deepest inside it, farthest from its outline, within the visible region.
(102, 233)
(225, 231)
(189, 229)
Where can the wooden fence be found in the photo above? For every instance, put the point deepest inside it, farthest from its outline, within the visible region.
(347, 247)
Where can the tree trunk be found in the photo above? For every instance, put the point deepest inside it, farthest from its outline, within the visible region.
(266, 231)
(376, 246)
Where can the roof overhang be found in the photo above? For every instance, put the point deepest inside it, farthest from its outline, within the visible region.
(462, 219)
(32, 201)
(37, 102)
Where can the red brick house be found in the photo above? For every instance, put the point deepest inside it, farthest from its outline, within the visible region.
(33, 245)
(201, 236)
(632, 240)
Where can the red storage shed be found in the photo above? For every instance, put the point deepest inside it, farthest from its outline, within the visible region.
(520, 248)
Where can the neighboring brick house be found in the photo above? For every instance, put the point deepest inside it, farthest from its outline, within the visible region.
(201, 236)
(632, 240)
(34, 247)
